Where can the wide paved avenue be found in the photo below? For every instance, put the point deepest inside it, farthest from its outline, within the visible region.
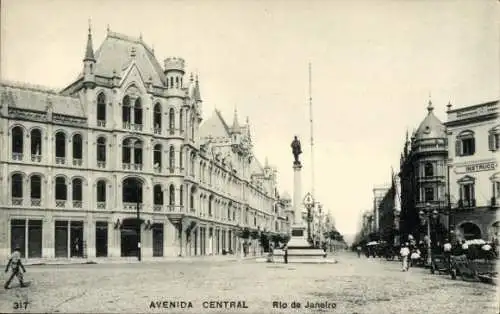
(351, 286)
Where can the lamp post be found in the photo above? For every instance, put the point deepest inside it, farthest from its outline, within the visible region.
(428, 214)
(138, 223)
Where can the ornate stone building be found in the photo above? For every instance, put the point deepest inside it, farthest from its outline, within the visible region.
(126, 139)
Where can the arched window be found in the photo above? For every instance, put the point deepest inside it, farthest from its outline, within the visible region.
(138, 114)
(157, 118)
(171, 120)
(101, 151)
(428, 169)
(171, 82)
(192, 165)
(60, 147)
(157, 195)
(132, 191)
(171, 158)
(17, 186)
(181, 122)
(77, 193)
(61, 190)
(127, 151)
(181, 159)
(171, 194)
(157, 157)
(181, 195)
(465, 144)
(17, 142)
(191, 198)
(35, 190)
(101, 192)
(77, 146)
(36, 144)
(101, 110)
(138, 153)
(126, 112)
(177, 82)
(229, 212)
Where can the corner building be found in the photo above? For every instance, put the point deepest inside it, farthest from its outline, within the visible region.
(127, 134)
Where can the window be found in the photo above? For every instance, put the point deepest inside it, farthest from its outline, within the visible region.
(158, 195)
(127, 151)
(171, 116)
(36, 142)
(126, 112)
(181, 195)
(101, 110)
(494, 139)
(181, 122)
(191, 201)
(17, 140)
(61, 189)
(101, 149)
(181, 161)
(210, 200)
(101, 191)
(77, 146)
(157, 118)
(60, 145)
(138, 153)
(229, 212)
(467, 194)
(132, 191)
(17, 186)
(157, 157)
(428, 170)
(77, 192)
(171, 192)
(138, 112)
(171, 158)
(36, 187)
(465, 144)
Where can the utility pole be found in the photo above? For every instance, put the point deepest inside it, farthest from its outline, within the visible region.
(138, 223)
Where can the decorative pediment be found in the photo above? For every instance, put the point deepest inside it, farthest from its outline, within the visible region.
(466, 179)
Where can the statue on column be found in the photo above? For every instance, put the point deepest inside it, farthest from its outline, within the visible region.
(296, 150)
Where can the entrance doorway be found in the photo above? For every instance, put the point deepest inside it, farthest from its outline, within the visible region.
(129, 238)
(101, 239)
(157, 239)
(470, 231)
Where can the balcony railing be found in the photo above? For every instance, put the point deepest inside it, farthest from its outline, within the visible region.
(157, 169)
(175, 208)
(138, 167)
(60, 160)
(131, 206)
(467, 203)
(157, 130)
(157, 207)
(127, 125)
(60, 203)
(77, 204)
(101, 205)
(36, 158)
(138, 127)
(126, 166)
(101, 123)
(36, 202)
(101, 164)
(17, 156)
(77, 162)
(17, 201)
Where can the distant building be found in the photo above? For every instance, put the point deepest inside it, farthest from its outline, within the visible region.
(127, 134)
(473, 134)
(379, 193)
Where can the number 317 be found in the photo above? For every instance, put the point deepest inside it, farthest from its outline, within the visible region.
(22, 305)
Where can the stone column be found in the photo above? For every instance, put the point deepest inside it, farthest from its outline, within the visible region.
(297, 194)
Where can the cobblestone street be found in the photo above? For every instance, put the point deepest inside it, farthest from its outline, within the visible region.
(354, 285)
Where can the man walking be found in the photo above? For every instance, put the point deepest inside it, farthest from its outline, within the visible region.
(404, 252)
(16, 265)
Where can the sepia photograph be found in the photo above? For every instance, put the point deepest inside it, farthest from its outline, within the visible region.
(250, 156)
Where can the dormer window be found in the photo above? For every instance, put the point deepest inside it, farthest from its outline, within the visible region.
(465, 144)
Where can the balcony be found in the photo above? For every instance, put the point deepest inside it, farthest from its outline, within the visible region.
(36, 202)
(60, 203)
(157, 207)
(77, 162)
(126, 166)
(175, 208)
(101, 164)
(36, 158)
(17, 201)
(137, 127)
(468, 203)
(60, 160)
(157, 169)
(101, 123)
(17, 156)
(126, 125)
(157, 130)
(101, 205)
(138, 167)
(131, 206)
(77, 204)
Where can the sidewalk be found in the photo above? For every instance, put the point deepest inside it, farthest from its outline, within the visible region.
(133, 260)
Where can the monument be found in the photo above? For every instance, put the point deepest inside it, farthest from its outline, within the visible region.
(300, 250)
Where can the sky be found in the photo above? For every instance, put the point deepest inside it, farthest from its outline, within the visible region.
(375, 64)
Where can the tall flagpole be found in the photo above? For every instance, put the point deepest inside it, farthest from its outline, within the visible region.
(312, 138)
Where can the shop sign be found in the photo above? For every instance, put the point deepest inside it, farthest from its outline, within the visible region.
(483, 166)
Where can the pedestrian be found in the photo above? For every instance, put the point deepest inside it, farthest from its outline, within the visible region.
(285, 248)
(16, 265)
(415, 256)
(404, 252)
(358, 248)
(447, 251)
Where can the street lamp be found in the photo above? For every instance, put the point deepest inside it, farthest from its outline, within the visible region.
(138, 191)
(428, 214)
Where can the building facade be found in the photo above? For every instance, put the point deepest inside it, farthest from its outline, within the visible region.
(122, 156)
(474, 139)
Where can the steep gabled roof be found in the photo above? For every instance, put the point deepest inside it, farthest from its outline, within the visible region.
(215, 126)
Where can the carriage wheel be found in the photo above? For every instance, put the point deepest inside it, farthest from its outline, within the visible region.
(433, 270)
(453, 273)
